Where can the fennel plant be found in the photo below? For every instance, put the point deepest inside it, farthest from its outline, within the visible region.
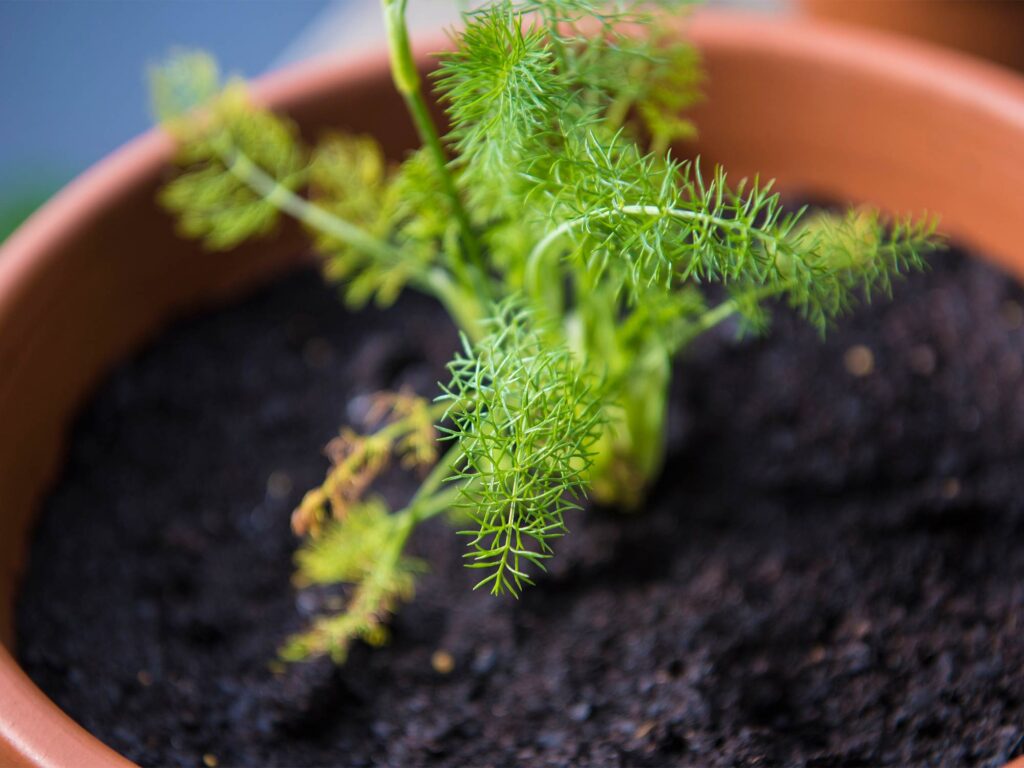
(571, 247)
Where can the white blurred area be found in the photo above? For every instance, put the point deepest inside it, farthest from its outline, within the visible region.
(355, 25)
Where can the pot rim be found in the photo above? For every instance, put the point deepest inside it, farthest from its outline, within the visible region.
(100, 186)
(33, 730)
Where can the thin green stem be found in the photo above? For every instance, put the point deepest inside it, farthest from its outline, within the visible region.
(534, 260)
(407, 80)
(659, 144)
(713, 317)
(440, 474)
(278, 195)
(726, 309)
(436, 504)
(463, 306)
(429, 501)
(399, 427)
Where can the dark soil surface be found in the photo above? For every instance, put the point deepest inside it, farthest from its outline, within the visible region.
(831, 572)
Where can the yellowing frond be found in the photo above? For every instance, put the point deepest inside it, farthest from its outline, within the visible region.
(359, 550)
(224, 148)
(417, 447)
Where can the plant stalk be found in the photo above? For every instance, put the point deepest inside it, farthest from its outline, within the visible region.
(534, 261)
(296, 206)
(407, 81)
(463, 307)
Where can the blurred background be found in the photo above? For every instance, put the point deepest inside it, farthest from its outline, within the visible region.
(73, 72)
(73, 75)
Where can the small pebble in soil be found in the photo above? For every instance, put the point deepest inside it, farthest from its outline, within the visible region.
(442, 662)
(279, 485)
(859, 360)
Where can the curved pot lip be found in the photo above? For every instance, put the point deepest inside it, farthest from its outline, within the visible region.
(983, 85)
(33, 730)
(100, 186)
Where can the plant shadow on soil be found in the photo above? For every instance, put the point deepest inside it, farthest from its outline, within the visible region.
(829, 572)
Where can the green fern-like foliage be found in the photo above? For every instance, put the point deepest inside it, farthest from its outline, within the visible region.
(567, 241)
(525, 417)
(210, 199)
(358, 550)
(502, 86)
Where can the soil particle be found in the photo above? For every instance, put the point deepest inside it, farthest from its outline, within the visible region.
(830, 572)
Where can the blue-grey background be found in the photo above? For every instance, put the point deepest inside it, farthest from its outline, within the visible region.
(73, 74)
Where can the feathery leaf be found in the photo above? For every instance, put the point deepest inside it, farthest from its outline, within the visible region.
(525, 418)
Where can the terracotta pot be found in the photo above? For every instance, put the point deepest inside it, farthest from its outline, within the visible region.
(98, 271)
(992, 29)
